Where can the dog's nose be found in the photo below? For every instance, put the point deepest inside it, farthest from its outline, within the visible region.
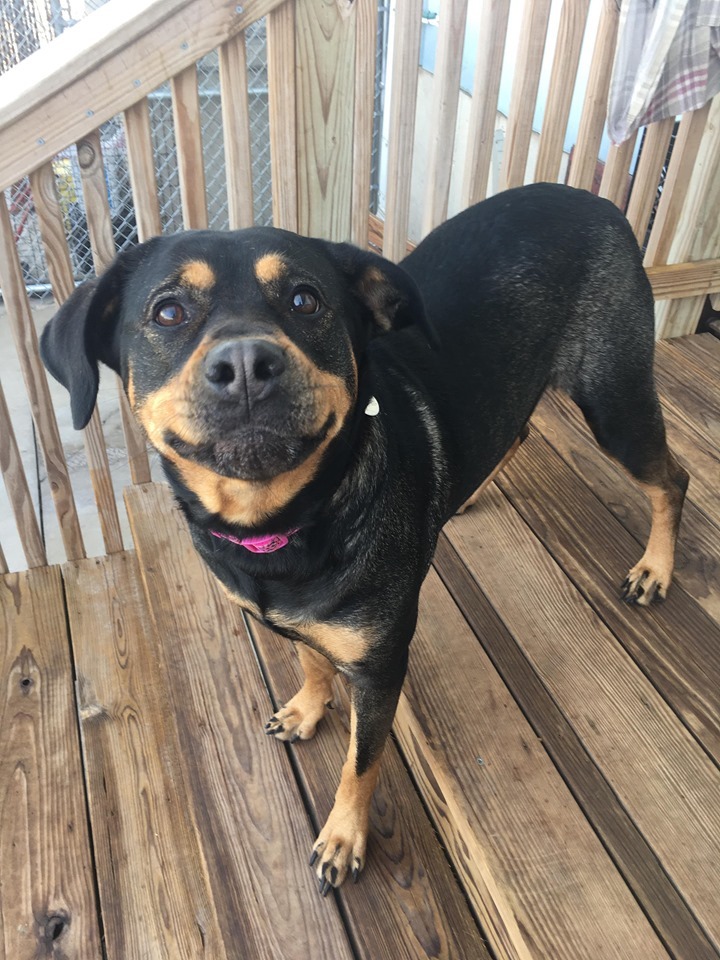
(244, 369)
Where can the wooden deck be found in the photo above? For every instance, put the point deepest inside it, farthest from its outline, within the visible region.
(552, 791)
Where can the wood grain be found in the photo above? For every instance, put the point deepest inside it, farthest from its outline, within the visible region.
(571, 31)
(443, 111)
(631, 853)
(670, 787)
(616, 180)
(188, 144)
(141, 166)
(18, 491)
(366, 28)
(60, 270)
(492, 36)
(325, 46)
(84, 94)
(254, 828)
(152, 875)
(236, 132)
(26, 343)
(687, 388)
(403, 96)
(647, 176)
(282, 96)
(532, 867)
(677, 181)
(47, 906)
(594, 112)
(696, 235)
(407, 902)
(524, 92)
(102, 241)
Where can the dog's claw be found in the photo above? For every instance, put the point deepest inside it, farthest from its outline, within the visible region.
(324, 886)
(313, 857)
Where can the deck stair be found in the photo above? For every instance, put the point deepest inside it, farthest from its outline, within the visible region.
(552, 789)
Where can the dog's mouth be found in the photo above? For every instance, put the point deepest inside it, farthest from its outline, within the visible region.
(251, 452)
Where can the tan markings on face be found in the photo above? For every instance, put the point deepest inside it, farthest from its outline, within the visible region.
(270, 268)
(245, 502)
(170, 407)
(197, 274)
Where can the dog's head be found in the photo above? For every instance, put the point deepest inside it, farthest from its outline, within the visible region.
(239, 351)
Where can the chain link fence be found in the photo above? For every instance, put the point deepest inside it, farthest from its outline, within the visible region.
(54, 15)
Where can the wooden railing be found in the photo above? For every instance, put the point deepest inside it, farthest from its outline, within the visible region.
(321, 72)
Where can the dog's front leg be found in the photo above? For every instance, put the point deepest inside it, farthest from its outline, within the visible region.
(340, 848)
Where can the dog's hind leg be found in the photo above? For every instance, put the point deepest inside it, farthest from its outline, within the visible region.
(633, 432)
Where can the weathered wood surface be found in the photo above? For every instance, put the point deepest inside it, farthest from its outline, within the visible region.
(564, 746)
(47, 899)
(255, 832)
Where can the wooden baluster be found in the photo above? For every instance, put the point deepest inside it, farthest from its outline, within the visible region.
(18, 493)
(443, 111)
(365, 54)
(677, 183)
(594, 114)
(52, 231)
(403, 97)
(562, 85)
(97, 209)
(616, 175)
(524, 92)
(141, 164)
(647, 176)
(188, 141)
(282, 97)
(483, 109)
(26, 342)
(236, 132)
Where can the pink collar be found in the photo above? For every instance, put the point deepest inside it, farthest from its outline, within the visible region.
(269, 543)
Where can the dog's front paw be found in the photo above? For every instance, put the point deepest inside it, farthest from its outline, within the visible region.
(298, 719)
(340, 848)
(646, 583)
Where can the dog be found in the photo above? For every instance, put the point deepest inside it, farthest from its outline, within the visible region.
(321, 412)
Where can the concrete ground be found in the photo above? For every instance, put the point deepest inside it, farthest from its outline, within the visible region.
(15, 394)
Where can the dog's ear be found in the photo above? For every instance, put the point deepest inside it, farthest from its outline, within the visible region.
(385, 288)
(82, 333)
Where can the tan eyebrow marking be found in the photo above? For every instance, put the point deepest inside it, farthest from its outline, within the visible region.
(270, 268)
(198, 274)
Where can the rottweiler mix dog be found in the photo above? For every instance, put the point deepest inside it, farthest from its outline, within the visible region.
(321, 412)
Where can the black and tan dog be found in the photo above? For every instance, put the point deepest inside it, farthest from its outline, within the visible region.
(321, 412)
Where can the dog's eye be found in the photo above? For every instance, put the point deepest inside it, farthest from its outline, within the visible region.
(304, 300)
(169, 314)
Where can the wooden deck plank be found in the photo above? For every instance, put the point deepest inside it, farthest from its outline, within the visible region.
(254, 828)
(155, 893)
(697, 561)
(688, 389)
(704, 348)
(47, 901)
(532, 866)
(631, 853)
(675, 644)
(666, 781)
(407, 903)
